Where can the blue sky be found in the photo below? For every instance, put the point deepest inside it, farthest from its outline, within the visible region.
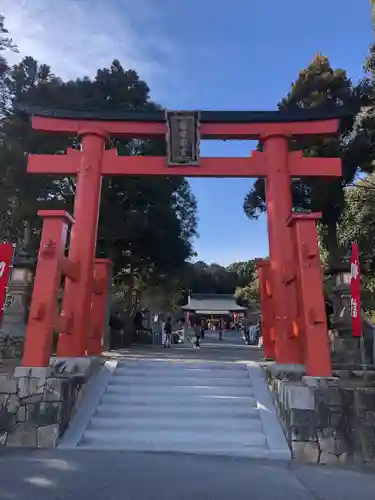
(237, 54)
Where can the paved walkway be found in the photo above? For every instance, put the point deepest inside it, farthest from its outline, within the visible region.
(75, 475)
(231, 348)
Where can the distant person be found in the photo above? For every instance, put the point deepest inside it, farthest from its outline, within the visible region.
(221, 328)
(116, 331)
(255, 333)
(203, 327)
(138, 321)
(246, 330)
(192, 319)
(197, 332)
(258, 332)
(138, 324)
(168, 332)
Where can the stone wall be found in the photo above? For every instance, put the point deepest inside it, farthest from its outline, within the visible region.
(324, 420)
(37, 404)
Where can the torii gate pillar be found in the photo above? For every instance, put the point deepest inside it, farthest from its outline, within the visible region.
(99, 307)
(77, 295)
(317, 357)
(268, 333)
(288, 348)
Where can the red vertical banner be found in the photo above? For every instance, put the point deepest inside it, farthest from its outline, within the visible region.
(6, 259)
(355, 292)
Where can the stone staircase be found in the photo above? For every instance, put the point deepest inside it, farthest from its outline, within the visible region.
(177, 406)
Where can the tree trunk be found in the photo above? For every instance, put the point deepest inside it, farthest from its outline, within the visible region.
(330, 241)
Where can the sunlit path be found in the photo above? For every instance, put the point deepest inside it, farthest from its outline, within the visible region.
(73, 475)
(231, 348)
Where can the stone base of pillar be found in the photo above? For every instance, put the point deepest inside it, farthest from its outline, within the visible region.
(83, 365)
(281, 371)
(320, 382)
(39, 372)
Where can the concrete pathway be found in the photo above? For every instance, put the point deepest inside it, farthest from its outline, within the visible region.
(74, 475)
(231, 348)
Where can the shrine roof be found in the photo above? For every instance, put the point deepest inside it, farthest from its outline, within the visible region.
(212, 303)
(300, 115)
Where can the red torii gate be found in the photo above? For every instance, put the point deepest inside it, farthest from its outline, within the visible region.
(276, 163)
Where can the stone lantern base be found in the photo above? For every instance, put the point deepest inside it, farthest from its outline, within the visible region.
(14, 321)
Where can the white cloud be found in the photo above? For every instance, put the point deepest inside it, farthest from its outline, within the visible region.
(75, 37)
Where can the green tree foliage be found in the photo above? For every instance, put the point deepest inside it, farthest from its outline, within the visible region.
(6, 44)
(203, 278)
(247, 290)
(245, 272)
(249, 294)
(358, 224)
(146, 223)
(358, 219)
(22, 194)
(361, 141)
(318, 86)
(234, 279)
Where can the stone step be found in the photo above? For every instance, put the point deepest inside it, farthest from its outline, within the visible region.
(171, 390)
(180, 365)
(151, 374)
(179, 381)
(184, 370)
(201, 448)
(169, 411)
(180, 406)
(178, 399)
(193, 436)
(228, 424)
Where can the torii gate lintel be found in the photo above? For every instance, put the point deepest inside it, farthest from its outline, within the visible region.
(253, 166)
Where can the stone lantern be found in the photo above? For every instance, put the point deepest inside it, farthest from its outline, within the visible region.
(16, 307)
(340, 279)
(346, 349)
